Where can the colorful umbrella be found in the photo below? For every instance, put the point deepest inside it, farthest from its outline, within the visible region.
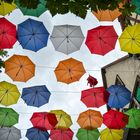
(36, 95)
(92, 81)
(64, 120)
(32, 35)
(137, 4)
(114, 119)
(69, 70)
(112, 134)
(7, 34)
(8, 117)
(94, 97)
(130, 39)
(84, 134)
(19, 68)
(41, 8)
(61, 134)
(44, 120)
(101, 40)
(67, 38)
(10, 133)
(90, 119)
(36, 134)
(119, 96)
(9, 93)
(134, 118)
(138, 94)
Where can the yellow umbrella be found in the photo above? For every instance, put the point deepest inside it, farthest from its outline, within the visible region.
(130, 39)
(9, 93)
(112, 134)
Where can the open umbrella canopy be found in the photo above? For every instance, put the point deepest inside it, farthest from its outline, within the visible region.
(36, 95)
(19, 68)
(7, 34)
(64, 120)
(94, 97)
(101, 40)
(130, 39)
(67, 38)
(37, 134)
(69, 70)
(90, 119)
(119, 96)
(32, 35)
(138, 94)
(9, 93)
(112, 134)
(66, 134)
(10, 133)
(114, 119)
(8, 117)
(137, 4)
(84, 134)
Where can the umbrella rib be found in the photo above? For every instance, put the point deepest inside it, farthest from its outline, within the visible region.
(73, 30)
(73, 43)
(61, 32)
(60, 43)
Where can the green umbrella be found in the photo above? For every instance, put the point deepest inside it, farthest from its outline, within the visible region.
(84, 134)
(137, 4)
(138, 94)
(134, 118)
(8, 117)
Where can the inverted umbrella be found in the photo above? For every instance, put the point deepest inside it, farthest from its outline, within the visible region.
(32, 35)
(94, 97)
(19, 68)
(101, 40)
(138, 94)
(36, 95)
(90, 119)
(64, 120)
(67, 38)
(9, 93)
(7, 34)
(10, 133)
(69, 70)
(8, 117)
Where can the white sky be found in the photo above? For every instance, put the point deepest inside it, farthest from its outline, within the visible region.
(66, 97)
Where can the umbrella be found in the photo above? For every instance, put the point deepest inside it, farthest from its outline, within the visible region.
(41, 8)
(9, 93)
(69, 70)
(137, 6)
(64, 120)
(36, 95)
(32, 35)
(19, 68)
(112, 134)
(94, 97)
(130, 39)
(6, 8)
(134, 118)
(61, 134)
(36, 134)
(67, 38)
(43, 120)
(7, 34)
(138, 94)
(119, 96)
(84, 134)
(10, 133)
(90, 119)
(114, 119)
(92, 81)
(101, 40)
(8, 117)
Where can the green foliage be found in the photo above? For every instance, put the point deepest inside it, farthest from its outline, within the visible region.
(8, 1)
(2, 55)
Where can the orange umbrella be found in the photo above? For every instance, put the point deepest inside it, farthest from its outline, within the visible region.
(19, 68)
(90, 119)
(69, 70)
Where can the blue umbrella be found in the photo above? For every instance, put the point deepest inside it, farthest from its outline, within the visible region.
(119, 96)
(32, 35)
(36, 95)
(37, 134)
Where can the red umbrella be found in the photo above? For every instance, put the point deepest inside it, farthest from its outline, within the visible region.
(44, 120)
(115, 120)
(7, 34)
(92, 81)
(94, 97)
(66, 134)
(101, 40)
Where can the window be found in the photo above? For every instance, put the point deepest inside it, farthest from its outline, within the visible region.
(118, 81)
